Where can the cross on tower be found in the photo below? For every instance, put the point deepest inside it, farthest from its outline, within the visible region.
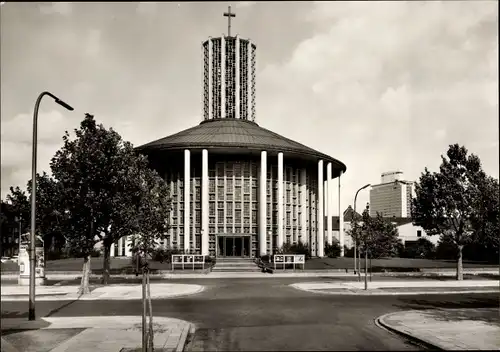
(228, 14)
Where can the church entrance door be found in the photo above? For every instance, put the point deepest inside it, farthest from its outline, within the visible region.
(233, 246)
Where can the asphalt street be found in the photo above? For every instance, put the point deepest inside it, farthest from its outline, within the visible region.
(267, 314)
(137, 280)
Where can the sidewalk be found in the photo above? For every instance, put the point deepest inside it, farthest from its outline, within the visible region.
(110, 292)
(167, 274)
(448, 329)
(82, 334)
(400, 287)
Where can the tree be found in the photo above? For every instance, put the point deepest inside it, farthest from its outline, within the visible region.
(152, 220)
(88, 181)
(445, 201)
(134, 183)
(103, 185)
(20, 207)
(153, 213)
(48, 211)
(486, 219)
(9, 225)
(379, 235)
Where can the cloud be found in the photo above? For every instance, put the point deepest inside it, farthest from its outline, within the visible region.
(62, 8)
(17, 145)
(146, 7)
(377, 80)
(93, 42)
(242, 4)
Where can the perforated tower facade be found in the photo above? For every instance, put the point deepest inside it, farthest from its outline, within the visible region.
(229, 78)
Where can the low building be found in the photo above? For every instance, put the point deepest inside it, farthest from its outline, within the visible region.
(410, 233)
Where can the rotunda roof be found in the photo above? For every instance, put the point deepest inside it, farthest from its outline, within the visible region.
(229, 134)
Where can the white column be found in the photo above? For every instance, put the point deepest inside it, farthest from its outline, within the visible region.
(237, 79)
(263, 204)
(204, 203)
(320, 243)
(128, 243)
(223, 76)
(341, 222)
(187, 198)
(112, 250)
(280, 201)
(329, 212)
(210, 79)
(303, 206)
(325, 209)
(120, 246)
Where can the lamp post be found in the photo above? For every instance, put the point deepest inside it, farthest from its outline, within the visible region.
(32, 250)
(355, 227)
(366, 261)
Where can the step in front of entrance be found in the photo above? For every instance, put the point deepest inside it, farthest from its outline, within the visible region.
(232, 264)
(236, 269)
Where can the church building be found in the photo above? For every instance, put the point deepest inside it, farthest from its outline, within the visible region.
(238, 189)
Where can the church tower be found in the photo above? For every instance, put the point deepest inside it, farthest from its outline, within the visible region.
(229, 76)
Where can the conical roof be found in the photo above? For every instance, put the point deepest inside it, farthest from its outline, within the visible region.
(229, 134)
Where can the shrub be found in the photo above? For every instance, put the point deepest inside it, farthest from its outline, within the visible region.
(349, 252)
(165, 255)
(422, 248)
(266, 258)
(298, 248)
(446, 249)
(95, 253)
(161, 255)
(332, 250)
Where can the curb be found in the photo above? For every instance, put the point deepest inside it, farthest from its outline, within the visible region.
(41, 295)
(372, 292)
(422, 342)
(184, 336)
(41, 324)
(69, 296)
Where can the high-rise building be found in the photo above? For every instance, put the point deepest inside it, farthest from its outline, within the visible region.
(238, 189)
(392, 197)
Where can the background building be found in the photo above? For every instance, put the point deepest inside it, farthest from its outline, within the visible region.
(349, 214)
(239, 189)
(392, 197)
(410, 233)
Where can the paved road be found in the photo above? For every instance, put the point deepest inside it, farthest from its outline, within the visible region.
(264, 314)
(119, 280)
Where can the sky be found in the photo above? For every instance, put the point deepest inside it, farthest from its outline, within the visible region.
(380, 86)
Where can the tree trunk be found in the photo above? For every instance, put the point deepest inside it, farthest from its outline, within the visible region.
(106, 262)
(84, 285)
(151, 332)
(460, 269)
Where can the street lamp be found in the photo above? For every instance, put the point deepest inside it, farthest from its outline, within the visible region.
(355, 227)
(31, 314)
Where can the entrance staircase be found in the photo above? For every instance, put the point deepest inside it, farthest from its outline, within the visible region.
(235, 264)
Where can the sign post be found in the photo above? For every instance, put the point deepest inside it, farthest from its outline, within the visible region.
(24, 262)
